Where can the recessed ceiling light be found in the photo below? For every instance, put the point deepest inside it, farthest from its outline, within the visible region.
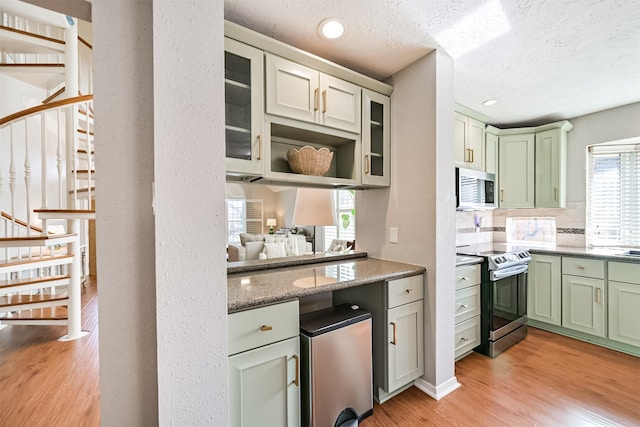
(331, 28)
(489, 102)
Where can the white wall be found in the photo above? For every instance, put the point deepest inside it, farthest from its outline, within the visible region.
(421, 202)
(163, 312)
(608, 125)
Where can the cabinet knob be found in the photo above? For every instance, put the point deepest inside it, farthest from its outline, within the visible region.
(264, 328)
(409, 291)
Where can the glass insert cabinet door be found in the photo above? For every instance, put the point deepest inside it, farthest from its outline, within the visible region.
(243, 108)
(375, 139)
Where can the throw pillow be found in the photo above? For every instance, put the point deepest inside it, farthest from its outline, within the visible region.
(275, 250)
(254, 249)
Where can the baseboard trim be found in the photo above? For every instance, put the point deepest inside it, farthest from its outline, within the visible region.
(439, 392)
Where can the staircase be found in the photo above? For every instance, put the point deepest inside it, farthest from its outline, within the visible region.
(47, 174)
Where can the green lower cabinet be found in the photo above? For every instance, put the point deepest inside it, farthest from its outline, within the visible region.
(264, 386)
(583, 304)
(544, 294)
(624, 312)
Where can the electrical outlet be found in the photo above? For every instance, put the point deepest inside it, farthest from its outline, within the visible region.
(393, 234)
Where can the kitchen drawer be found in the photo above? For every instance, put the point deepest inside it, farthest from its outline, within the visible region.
(624, 272)
(261, 326)
(467, 275)
(467, 336)
(467, 303)
(583, 267)
(405, 290)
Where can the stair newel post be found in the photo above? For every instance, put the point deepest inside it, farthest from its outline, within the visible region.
(74, 309)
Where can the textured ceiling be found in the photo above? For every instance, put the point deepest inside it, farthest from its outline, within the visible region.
(543, 60)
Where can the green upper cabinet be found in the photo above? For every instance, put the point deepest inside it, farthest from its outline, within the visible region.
(302, 93)
(469, 142)
(532, 165)
(243, 108)
(376, 138)
(551, 170)
(516, 170)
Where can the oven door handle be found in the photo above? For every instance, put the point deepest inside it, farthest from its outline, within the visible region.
(508, 272)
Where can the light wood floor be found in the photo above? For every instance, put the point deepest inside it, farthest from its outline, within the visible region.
(44, 382)
(545, 380)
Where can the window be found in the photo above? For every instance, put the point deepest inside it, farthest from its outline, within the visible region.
(345, 202)
(243, 216)
(613, 194)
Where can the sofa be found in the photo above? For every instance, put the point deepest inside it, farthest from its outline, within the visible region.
(266, 246)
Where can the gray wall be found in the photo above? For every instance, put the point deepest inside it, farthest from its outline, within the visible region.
(421, 203)
(608, 125)
(163, 304)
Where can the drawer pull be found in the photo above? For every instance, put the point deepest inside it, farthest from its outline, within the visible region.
(463, 306)
(296, 380)
(395, 338)
(580, 267)
(463, 278)
(409, 291)
(463, 339)
(265, 328)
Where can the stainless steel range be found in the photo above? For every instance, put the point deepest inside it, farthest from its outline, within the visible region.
(503, 297)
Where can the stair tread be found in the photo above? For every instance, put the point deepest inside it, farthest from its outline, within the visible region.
(16, 300)
(30, 34)
(48, 313)
(34, 260)
(31, 280)
(32, 65)
(82, 190)
(39, 237)
(64, 210)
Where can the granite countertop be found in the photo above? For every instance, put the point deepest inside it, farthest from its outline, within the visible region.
(610, 254)
(468, 260)
(255, 288)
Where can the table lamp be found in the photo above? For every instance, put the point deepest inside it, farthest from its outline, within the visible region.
(271, 222)
(313, 206)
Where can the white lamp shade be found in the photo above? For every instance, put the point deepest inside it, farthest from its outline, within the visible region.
(271, 222)
(313, 206)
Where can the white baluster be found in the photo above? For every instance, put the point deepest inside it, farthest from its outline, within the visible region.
(27, 176)
(12, 181)
(43, 156)
(59, 160)
(89, 160)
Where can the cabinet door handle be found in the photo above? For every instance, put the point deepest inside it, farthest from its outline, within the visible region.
(366, 164)
(555, 191)
(395, 338)
(265, 328)
(473, 157)
(296, 380)
(467, 157)
(598, 296)
(259, 147)
(502, 195)
(315, 99)
(324, 101)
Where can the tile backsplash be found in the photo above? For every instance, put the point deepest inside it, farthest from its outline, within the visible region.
(570, 224)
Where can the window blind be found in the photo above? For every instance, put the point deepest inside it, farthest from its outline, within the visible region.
(345, 205)
(613, 195)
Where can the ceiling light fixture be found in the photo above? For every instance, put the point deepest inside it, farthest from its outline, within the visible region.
(489, 102)
(331, 28)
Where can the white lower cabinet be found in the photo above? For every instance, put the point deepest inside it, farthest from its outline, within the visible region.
(624, 302)
(264, 373)
(397, 310)
(467, 311)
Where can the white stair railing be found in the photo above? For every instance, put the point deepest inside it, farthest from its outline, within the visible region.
(37, 28)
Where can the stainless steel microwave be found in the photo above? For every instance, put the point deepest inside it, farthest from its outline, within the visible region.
(475, 190)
